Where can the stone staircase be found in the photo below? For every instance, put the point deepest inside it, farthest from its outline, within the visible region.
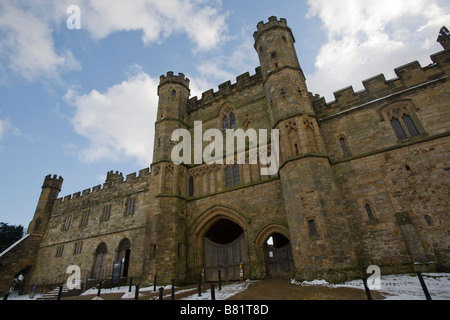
(53, 294)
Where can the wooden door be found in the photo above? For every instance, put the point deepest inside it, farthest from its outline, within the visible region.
(224, 257)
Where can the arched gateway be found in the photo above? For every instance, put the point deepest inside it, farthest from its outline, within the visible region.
(220, 243)
(275, 250)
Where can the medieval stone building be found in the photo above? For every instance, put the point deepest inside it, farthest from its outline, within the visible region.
(363, 180)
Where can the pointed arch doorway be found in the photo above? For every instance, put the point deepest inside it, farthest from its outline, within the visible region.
(98, 271)
(275, 251)
(124, 252)
(224, 250)
(278, 251)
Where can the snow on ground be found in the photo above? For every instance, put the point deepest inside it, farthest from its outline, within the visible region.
(400, 286)
(393, 287)
(227, 291)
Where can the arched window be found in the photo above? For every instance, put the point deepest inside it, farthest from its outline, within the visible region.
(400, 117)
(232, 176)
(191, 186)
(228, 117)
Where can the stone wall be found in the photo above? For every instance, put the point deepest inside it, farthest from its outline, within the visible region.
(69, 226)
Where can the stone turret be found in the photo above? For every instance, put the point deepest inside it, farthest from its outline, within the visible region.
(173, 92)
(284, 80)
(50, 190)
(311, 195)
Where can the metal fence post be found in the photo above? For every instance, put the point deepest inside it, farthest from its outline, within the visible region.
(154, 284)
(200, 285)
(161, 291)
(60, 293)
(131, 283)
(424, 286)
(213, 292)
(173, 290)
(99, 288)
(366, 287)
(136, 294)
(220, 280)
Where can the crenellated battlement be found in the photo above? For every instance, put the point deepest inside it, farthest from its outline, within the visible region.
(377, 87)
(114, 179)
(171, 78)
(53, 182)
(112, 176)
(273, 23)
(226, 88)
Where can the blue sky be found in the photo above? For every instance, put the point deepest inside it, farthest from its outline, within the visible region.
(79, 103)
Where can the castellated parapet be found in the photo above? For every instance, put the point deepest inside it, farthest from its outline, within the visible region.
(243, 81)
(171, 78)
(408, 77)
(114, 180)
(53, 182)
(272, 24)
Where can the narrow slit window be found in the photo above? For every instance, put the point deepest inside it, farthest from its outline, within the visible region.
(369, 212)
(344, 147)
(191, 186)
(312, 228)
(429, 220)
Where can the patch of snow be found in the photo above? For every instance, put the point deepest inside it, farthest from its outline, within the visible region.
(399, 286)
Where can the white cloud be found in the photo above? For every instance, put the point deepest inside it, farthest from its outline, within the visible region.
(368, 37)
(221, 68)
(4, 124)
(201, 20)
(27, 47)
(119, 123)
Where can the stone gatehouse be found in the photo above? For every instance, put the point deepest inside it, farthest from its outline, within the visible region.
(362, 180)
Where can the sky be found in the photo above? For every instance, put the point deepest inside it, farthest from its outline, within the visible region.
(79, 102)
